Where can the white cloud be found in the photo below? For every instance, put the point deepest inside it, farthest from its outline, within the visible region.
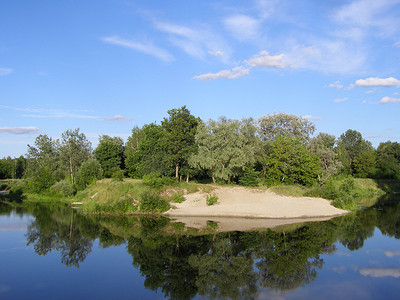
(340, 100)
(263, 59)
(196, 42)
(117, 118)
(144, 48)
(370, 92)
(390, 253)
(380, 272)
(224, 74)
(309, 117)
(396, 45)
(243, 27)
(336, 84)
(377, 82)
(5, 71)
(18, 130)
(387, 99)
(216, 53)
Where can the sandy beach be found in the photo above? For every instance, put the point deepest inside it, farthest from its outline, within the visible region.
(240, 208)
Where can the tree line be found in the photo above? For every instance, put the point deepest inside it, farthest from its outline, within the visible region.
(277, 148)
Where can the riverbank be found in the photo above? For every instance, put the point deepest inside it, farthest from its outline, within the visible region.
(241, 202)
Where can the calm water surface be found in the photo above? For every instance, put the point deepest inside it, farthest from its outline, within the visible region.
(50, 252)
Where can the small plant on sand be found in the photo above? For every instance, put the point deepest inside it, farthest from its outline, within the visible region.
(211, 199)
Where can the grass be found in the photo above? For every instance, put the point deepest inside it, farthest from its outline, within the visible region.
(211, 199)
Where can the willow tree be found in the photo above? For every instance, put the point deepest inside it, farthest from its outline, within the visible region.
(224, 147)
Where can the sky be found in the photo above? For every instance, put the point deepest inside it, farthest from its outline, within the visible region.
(107, 66)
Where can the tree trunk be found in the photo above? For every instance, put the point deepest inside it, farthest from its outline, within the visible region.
(177, 171)
(187, 178)
(213, 179)
(70, 170)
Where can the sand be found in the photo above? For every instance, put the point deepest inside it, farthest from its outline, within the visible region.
(240, 208)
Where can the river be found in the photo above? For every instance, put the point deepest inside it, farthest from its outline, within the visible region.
(53, 252)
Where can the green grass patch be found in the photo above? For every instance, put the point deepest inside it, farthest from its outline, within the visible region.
(211, 199)
(289, 190)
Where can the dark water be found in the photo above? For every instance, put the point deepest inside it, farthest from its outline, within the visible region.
(50, 252)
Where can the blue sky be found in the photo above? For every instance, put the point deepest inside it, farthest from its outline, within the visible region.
(107, 66)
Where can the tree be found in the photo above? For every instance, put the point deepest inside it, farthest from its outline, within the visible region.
(290, 162)
(225, 147)
(180, 130)
(283, 124)
(133, 143)
(45, 153)
(388, 160)
(350, 145)
(89, 172)
(323, 146)
(74, 150)
(110, 154)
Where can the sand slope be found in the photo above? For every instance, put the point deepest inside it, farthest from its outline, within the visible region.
(252, 203)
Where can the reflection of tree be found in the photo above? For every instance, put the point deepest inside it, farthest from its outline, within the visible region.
(389, 218)
(62, 234)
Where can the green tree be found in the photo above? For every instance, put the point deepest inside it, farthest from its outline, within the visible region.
(74, 150)
(388, 160)
(283, 124)
(44, 153)
(180, 130)
(225, 147)
(350, 145)
(89, 172)
(110, 154)
(291, 162)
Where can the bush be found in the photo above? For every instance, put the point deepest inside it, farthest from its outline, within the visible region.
(177, 198)
(155, 181)
(153, 202)
(118, 175)
(250, 177)
(211, 199)
(41, 180)
(64, 187)
(89, 172)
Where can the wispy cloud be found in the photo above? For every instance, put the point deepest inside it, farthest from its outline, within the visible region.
(387, 99)
(380, 272)
(310, 117)
(340, 100)
(195, 41)
(264, 60)
(216, 53)
(243, 27)
(336, 84)
(391, 253)
(5, 71)
(224, 74)
(377, 82)
(50, 113)
(147, 48)
(19, 130)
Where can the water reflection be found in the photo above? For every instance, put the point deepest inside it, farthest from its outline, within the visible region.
(182, 262)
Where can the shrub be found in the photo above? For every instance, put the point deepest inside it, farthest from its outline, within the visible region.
(211, 199)
(177, 198)
(118, 175)
(41, 180)
(250, 177)
(89, 172)
(64, 187)
(153, 202)
(155, 181)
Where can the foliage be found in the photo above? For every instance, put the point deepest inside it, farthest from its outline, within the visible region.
(282, 125)
(225, 146)
(180, 129)
(110, 154)
(41, 180)
(290, 162)
(75, 149)
(117, 174)
(211, 199)
(64, 187)
(156, 181)
(177, 198)
(89, 172)
(153, 202)
(364, 164)
(250, 177)
(388, 160)
(323, 146)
